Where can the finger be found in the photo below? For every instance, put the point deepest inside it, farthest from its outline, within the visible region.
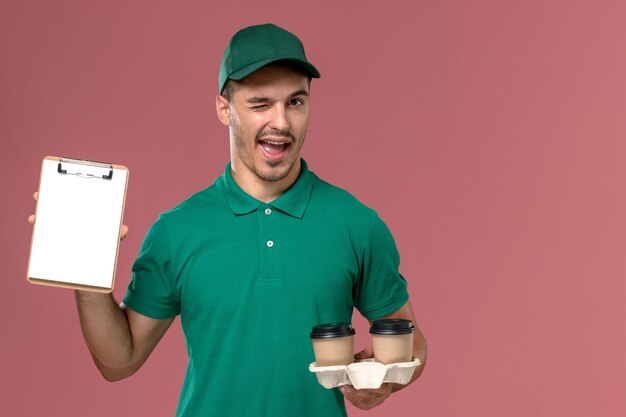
(366, 353)
(123, 231)
(348, 392)
(366, 399)
(359, 394)
(31, 219)
(346, 389)
(357, 397)
(36, 195)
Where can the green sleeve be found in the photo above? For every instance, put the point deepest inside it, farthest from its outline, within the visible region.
(380, 289)
(152, 290)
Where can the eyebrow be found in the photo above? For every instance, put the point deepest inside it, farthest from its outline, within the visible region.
(264, 99)
(300, 93)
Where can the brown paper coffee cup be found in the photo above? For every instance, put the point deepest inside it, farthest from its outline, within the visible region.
(333, 344)
(392, 340)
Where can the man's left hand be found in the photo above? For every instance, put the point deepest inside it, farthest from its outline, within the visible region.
(366, 399)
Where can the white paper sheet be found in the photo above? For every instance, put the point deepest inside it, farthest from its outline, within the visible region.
(76, 232)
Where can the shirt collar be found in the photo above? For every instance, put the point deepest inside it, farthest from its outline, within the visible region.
(294, 201)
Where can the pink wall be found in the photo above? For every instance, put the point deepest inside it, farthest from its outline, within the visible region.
(490, 135)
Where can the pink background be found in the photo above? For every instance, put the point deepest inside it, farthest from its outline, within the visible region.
(490, 135)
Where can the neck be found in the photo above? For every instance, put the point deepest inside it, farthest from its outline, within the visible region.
(265, 191)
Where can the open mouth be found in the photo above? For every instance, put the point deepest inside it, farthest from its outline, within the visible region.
(274, 149)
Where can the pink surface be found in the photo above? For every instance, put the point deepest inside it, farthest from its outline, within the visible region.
(489, 135)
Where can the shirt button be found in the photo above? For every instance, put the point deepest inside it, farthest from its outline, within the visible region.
(268, 211)
(270, 243)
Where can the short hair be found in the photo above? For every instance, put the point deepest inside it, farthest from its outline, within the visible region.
(229, 89)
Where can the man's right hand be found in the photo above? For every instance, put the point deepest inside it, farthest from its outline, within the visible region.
(119, 339)
(31, 220)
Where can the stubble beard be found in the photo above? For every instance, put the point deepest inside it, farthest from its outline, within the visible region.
(273, 173)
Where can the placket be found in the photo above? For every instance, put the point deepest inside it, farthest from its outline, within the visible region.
(270, 244)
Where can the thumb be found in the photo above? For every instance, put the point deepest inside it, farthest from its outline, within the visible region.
(123, 231)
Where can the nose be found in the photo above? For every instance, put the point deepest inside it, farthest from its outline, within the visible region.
(279, 118)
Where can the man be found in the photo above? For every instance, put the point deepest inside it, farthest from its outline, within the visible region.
(255, 260)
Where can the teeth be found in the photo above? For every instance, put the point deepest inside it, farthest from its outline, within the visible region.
(274, 143)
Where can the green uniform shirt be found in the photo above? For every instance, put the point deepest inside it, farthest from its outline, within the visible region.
(250, 279)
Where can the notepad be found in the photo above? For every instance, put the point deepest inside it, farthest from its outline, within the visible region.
(77, 227)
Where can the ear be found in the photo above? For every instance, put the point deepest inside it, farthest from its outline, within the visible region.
(222, 106)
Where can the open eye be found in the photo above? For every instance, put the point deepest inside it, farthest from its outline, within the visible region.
(296, 102)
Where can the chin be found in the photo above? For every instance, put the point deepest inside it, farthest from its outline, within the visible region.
(272, 176)
(275, 173)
